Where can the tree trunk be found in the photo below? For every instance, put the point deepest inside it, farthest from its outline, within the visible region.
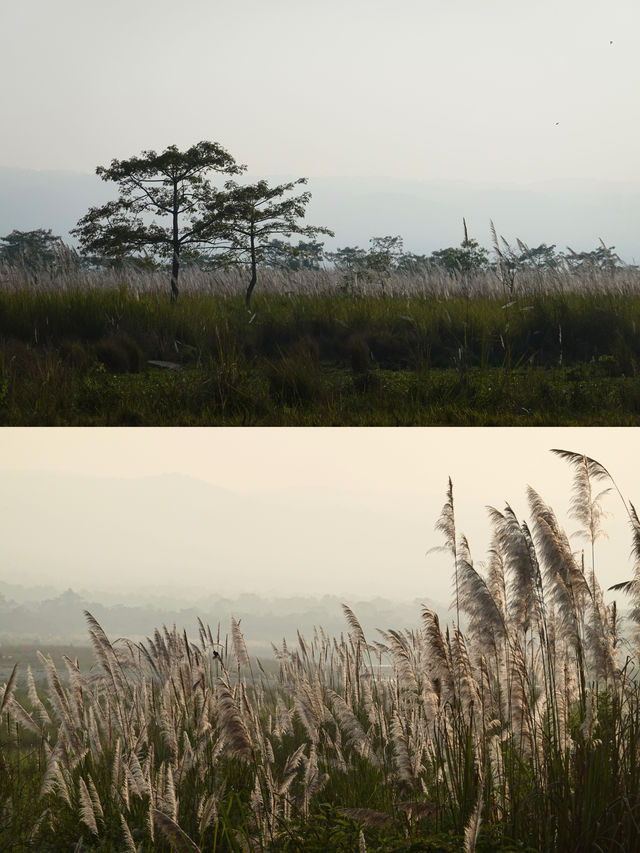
(175, 264)
(175, 269)
(254, 270)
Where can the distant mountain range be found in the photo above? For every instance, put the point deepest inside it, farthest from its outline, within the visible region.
(39, 615)
(427, 214)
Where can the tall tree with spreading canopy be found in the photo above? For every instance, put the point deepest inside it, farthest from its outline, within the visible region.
(166, 205)
(255, 213)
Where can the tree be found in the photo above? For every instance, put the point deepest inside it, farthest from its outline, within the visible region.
(603, 258)
(254, 214)
(467, 258)
(33, 250)
(306, 255)
(166, 206)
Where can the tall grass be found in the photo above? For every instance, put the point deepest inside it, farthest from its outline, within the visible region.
(430, 349)
(516, 729)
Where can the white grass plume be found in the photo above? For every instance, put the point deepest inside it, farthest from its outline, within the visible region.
(9, 688)
(239, 645)
(485, 616)
(87, 815)
(472, 828)
(231, 722)
(520, 566)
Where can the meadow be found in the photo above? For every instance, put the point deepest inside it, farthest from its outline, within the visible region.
(320, 348)
(514, 727)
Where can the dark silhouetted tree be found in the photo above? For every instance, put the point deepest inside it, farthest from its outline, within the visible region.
(254, 214)
(166, 206)
(35, 250)
(307, 255)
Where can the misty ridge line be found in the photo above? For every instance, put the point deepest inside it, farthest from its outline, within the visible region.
(40, 615)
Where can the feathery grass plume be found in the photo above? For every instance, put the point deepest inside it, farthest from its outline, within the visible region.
(401, 750)
(586, 507)
(291, 769)
(105, 653)
(232, 723)
(129, 843)
(39, 708)
(521, 700)
(87, 815)
(169, 798)
(472, 828)
(60, 703)
(446, 524)
(283, 724)
(563, 575)
(467, 684)
(168, 725)
(117, 773)
(632, 587)
(95, 799)
(56, 779)
(600, 637)
(352, 728)
(207, 812)
(9, 688)
(354, 624)
(314, 781)
(402, 660)
(486, 621)
(239, 645)
(95, 743)
(35, 829)
(496, 578)
(80, 688)
(23, 717)
(520, 566)
(440, 653)
(135, 775)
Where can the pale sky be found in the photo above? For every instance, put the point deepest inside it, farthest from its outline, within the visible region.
(501, 91)
(340, 511)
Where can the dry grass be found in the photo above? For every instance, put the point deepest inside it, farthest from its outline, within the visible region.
(523, 728)
(433, 281)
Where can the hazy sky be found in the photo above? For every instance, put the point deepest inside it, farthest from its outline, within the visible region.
(501, 90)
(348, 511)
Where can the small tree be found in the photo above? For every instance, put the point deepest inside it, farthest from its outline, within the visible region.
(254, 214)
(166, 206)
(467, 258)
(33, 250)
(603, 258)
(306, 255)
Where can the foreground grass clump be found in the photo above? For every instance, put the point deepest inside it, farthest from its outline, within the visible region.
(519, 732)
(432, 351)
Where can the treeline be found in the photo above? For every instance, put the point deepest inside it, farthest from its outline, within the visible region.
(168, 213)
(265, 620)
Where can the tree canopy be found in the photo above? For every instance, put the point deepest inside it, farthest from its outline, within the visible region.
(35, 250)
(253, 214)
(166, 206)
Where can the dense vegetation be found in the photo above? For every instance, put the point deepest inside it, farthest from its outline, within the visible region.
(321, 347)
(519, 732)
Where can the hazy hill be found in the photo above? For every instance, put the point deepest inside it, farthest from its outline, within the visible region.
(60, 618)
(178, 536)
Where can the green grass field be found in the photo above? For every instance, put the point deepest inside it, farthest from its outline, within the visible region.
(431, 352)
